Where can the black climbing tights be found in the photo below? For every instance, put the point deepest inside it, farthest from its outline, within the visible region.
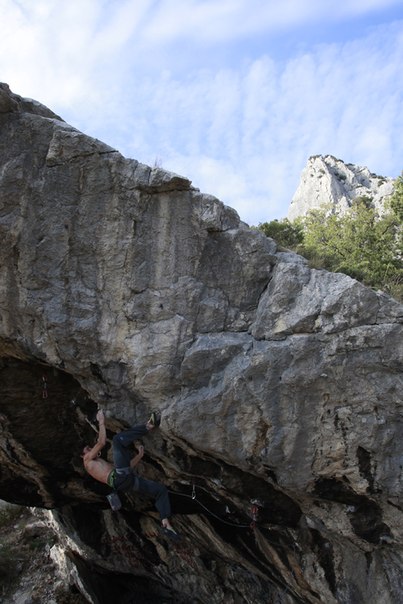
(122, 456)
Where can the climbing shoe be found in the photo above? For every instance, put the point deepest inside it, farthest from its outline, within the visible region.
(154, 420)
(171, 534)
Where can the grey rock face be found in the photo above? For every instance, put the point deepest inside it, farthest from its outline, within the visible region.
(280, 387)
(329, 181)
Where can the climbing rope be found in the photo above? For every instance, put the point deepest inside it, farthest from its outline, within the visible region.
(256, 504)
(194, 498)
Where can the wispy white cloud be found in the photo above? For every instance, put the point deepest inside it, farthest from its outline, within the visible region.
(209, 20)
(256, 126)
(143, 76)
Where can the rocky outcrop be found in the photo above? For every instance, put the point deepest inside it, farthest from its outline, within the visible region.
(327, 181)
(124, 286)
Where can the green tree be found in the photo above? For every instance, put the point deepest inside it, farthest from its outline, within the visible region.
(359, 243)
(287, 234)
(396, 201)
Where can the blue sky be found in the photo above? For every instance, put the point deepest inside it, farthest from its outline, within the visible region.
(233, 94)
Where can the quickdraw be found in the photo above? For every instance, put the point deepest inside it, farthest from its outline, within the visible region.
(255, 513)
(44, 387)
(194, 497)
(255, 506)
(254, 510)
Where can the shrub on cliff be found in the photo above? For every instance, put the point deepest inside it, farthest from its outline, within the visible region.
(287, 234)
(360, 242)
(396, 201)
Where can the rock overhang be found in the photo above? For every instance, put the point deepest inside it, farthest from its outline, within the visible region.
(124, 287)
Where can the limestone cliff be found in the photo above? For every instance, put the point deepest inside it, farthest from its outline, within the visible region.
(279, 386)
(329, 181)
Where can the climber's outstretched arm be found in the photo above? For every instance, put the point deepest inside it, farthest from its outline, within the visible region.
(101, 442)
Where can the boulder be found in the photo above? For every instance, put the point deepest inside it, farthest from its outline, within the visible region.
(279, 386)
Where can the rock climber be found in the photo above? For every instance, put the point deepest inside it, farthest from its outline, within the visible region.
(122, 476)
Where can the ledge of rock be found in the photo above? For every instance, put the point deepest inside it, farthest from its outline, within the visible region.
(279, 386)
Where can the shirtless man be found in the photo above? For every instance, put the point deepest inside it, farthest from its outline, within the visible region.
(121, 476)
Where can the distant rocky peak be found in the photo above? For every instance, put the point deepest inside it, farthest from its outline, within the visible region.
(328, 180)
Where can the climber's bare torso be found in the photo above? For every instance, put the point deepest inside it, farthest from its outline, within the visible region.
(97, 468)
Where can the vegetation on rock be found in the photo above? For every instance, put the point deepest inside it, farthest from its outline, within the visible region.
(361, 242)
